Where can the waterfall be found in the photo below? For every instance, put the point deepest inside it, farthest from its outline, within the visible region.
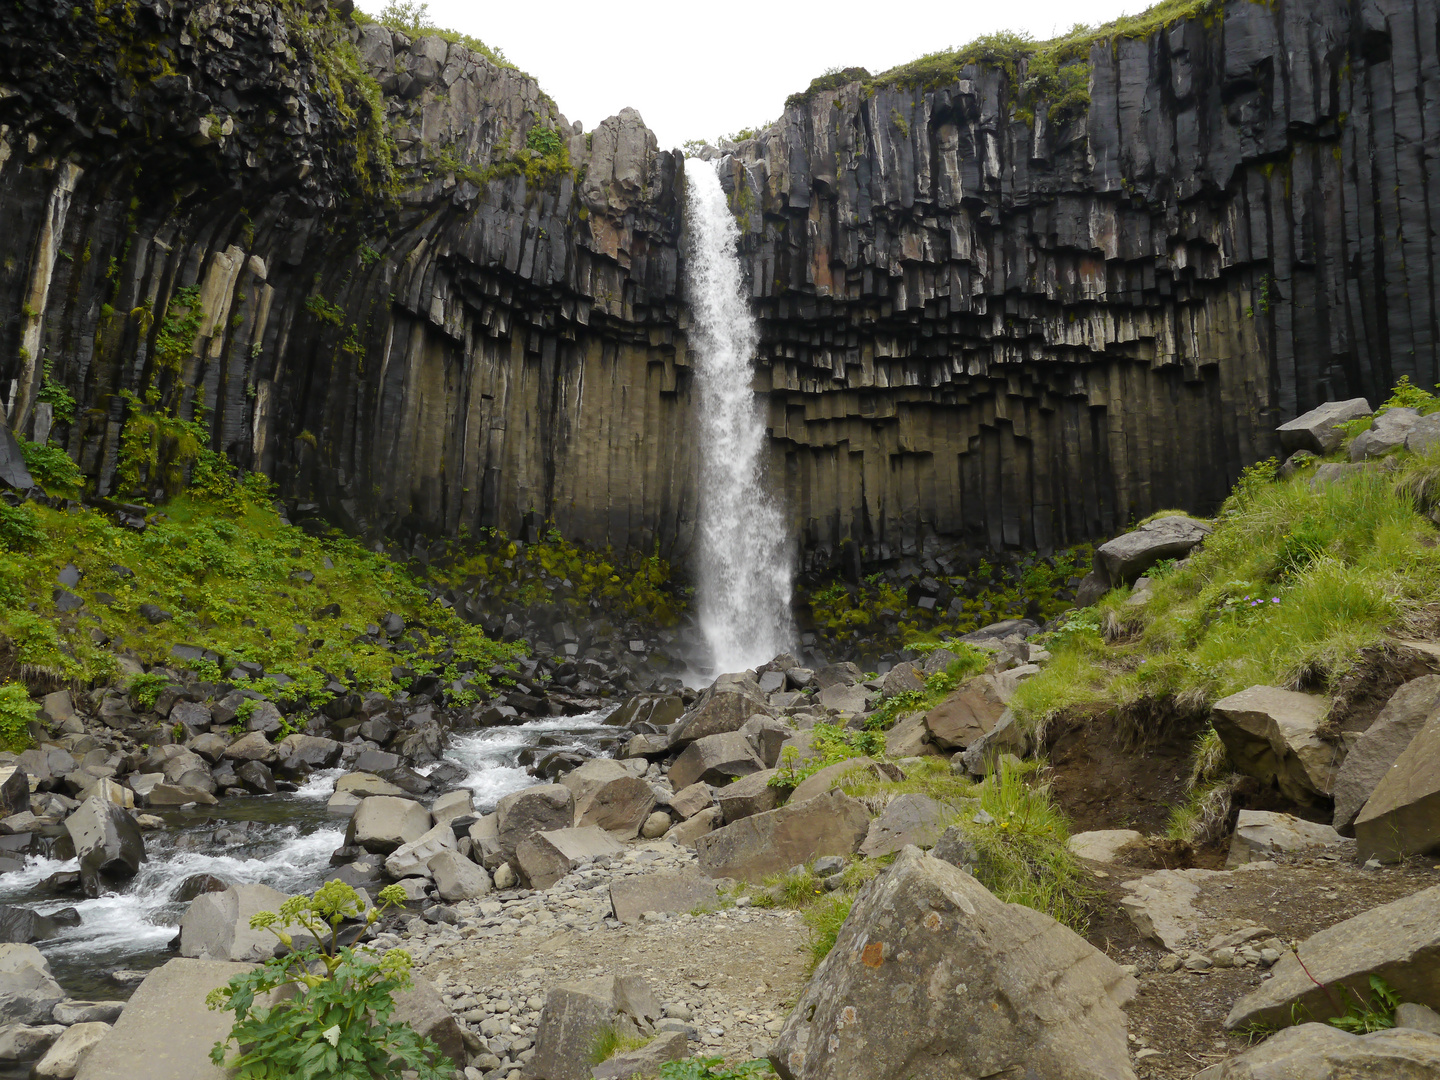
(744, 562)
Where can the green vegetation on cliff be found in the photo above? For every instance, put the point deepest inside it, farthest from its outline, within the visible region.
(1054, 74)
(1298, 578)
(216, 569)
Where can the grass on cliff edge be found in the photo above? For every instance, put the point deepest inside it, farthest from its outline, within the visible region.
(234, 578)
(1295, 581)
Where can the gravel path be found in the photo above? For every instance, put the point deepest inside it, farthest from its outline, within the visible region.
(729, 977)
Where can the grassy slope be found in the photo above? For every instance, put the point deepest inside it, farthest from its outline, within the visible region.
(230, 573)
(1295, 581)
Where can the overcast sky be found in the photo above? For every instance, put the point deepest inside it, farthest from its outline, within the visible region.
(698, 71)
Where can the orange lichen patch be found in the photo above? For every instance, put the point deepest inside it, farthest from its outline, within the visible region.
(874, 954)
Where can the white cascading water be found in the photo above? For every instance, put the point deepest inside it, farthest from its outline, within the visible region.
(745, 568)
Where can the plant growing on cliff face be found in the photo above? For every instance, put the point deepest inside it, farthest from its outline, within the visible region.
(17, 713)
(54, 394)
(175, 340)
(338, 1025)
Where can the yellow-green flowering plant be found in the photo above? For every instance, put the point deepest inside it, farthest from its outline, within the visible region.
(337, 1025)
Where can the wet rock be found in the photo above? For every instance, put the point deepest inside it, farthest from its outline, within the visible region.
(926, 924)
(216, 925)
(14, 790)
(20, 924)
(107, 842)
(382, 823)
(197, 885)
(72, 1011)
(28, 992)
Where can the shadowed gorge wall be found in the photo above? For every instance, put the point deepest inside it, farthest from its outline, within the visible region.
(981, 323)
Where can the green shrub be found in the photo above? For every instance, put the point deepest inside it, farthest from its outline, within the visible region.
(52, 468)
(17, 713)
(1375, 1015)
(19, 527)
(338, 1025)
(145, 689)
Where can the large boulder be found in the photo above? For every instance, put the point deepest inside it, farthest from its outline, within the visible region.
(724, 707)
(383, 823)
(755, 847)
(609, 795)
(311, 751)
(1387, 432)
(424, 1010)
(1273, 735)
(933, 978)
(966, 715)
(1380, 745)
(631, 897)
(1318, 430)
(107, 843)
(542, 808)
(753, 794)
(910, 819)
(1399, 941)
(26, 1042)
(458, 878)
(715, 759)
(1261, 833)
(546, 857)
(28, 992)
(216, 926)
(63, 1059)
(1324, 1052)
(166, 1030)
(413, 859)
(14, 790)
(575, 1015)
(1127, 557)
(27, 925)
(832, 776)
(1402, 817)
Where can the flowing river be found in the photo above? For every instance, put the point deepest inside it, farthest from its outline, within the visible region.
(283, 841)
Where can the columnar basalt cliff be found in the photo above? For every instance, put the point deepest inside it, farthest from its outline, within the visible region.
(390, 274)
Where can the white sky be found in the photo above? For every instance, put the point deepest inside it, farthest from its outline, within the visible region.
(701, 71)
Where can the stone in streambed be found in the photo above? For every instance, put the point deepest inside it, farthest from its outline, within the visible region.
(107, 842)
(64, 1058)
(28, 992)
(216, 926)
(383, 823)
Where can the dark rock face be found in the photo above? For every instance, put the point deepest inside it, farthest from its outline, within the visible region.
(978, 324)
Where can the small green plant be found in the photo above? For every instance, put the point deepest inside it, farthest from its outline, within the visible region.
(338, 1025)
(1376, 1014)
(823, 921)
(54, 394)
(610, 1041)
(714, 1068)
(145, 689)
(17, 713)
(245, 710)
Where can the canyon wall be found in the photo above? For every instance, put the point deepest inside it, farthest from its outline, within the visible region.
(427, 302)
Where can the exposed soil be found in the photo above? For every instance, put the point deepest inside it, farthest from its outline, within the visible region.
(1362, 693)
(1108, 779)
(1180, 1015)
